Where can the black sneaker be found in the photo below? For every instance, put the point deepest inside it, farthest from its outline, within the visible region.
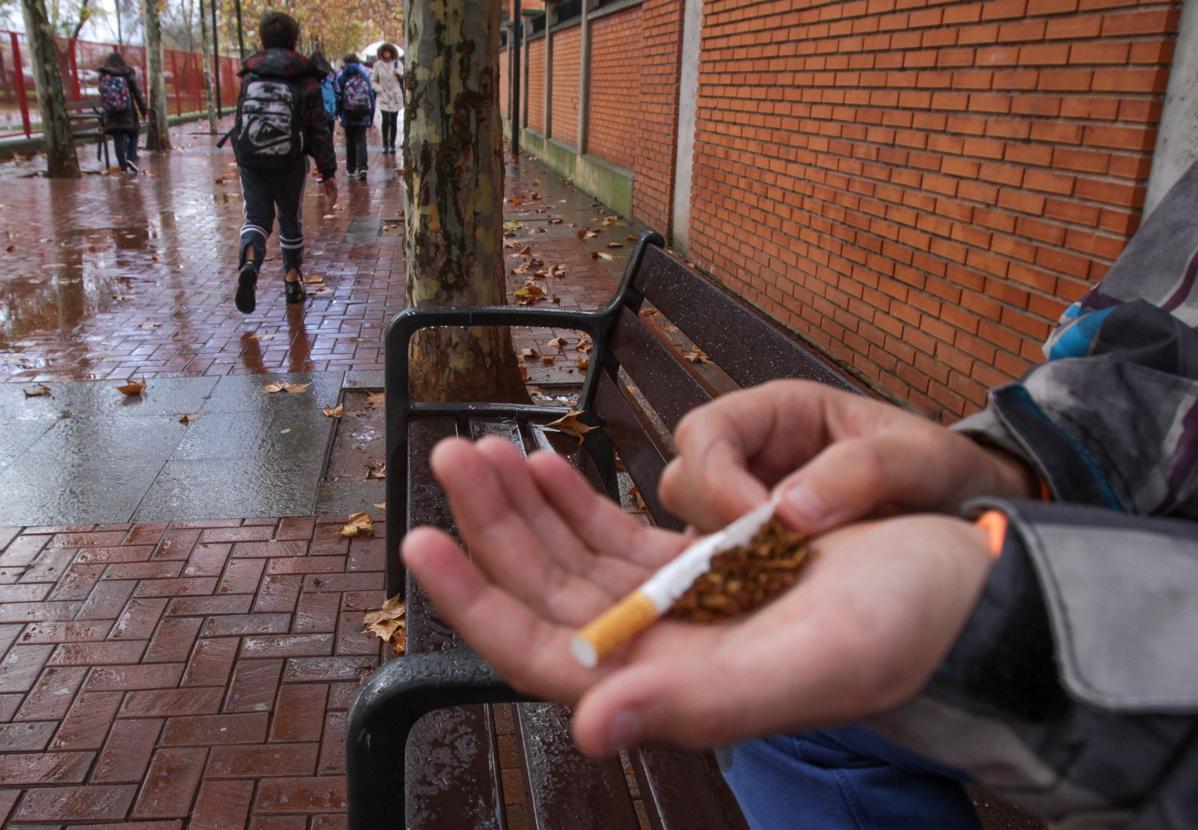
(293, 291)
(247, 281)
(131, 167)
(361, 175)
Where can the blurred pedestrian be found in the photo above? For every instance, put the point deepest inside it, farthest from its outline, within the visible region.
(122, 107)
(355, 106)
(280, 118)
(386, 78)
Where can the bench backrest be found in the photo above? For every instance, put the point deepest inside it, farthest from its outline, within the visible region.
(642, 405)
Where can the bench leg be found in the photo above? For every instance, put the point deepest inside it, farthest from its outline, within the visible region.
(390, 702)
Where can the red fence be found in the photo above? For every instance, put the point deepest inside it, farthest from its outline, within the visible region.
(79, 60)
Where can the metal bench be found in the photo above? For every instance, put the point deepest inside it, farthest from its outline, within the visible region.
(87, 124)
(422, 743)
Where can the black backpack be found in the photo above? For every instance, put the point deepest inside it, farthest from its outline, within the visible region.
(268, 133)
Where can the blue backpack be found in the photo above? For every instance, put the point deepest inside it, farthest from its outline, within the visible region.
(328, 94)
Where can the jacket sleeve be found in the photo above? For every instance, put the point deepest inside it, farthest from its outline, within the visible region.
(1073, 689)
(138, 98)
(1111, 418)
(374, 78)
(318, 137)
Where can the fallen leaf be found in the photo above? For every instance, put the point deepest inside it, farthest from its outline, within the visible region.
(284, 431)
(149, 326)
(529, 354)
(314, 279)
(523, 374)
(547, 360)
(359, 524)
(697, 355)
(587, 233)
(188, 417)
(329, 216)
(637, 498)
(584, 344)
(132, 387)
(600, 255)
(381, 505)
(571, 425)
(334, 411)
(558, 343)
(376, 471)
(376, 400)
(583, 363)
(38, 391)
(219, 180)
(290, 388)
(388, 624)
(630, 237)
(615, 244)
(529, 294)
(610, 220)
(10, 248)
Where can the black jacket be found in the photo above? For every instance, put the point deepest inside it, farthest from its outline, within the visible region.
(127, 121)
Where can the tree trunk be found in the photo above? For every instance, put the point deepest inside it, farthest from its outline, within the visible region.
(61, 161)
(206, 52)
(158, 137)
(453, 172)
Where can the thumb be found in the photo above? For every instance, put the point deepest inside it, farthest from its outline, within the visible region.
(851, 479)
(655, 701)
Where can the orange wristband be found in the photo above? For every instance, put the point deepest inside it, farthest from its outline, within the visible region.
(994, 523)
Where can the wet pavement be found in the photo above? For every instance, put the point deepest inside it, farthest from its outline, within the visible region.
(179, 619)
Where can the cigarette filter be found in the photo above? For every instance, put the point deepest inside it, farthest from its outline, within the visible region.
(637, 611)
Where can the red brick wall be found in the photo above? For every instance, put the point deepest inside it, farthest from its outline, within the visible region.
(921, 189)
(614, 102)
(567, 46)
(534, 101)
(505, 90)
(661, 44)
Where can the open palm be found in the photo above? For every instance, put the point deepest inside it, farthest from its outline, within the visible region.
(875, 611)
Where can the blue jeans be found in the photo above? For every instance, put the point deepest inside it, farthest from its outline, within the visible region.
(125, 145)
(843, 779)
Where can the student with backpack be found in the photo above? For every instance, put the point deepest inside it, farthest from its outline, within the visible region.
(119, 94)
(355, 106)
(280, 118)
(328, 86)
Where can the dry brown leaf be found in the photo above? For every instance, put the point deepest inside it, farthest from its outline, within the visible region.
(582, 363)
(529, 354)
(558, 343)
(188, 417)
(381, 505)
(637, 498)
(149, 326)
(376, 471)
(291, 388)
(601, 255)
(630, 237)
(219, 180)
(584, 344)
(314, 279)
(388, 624)
(610, 220)
(523, 374)
(132, 387)
(529, 294)
(334, 411)
(558, 271)
(587, 233)
(376, 400)
(571, 425)
(39, 391)
(284, 431)
(547, 360)
(359, 524)
(697, 355)
(615, 244)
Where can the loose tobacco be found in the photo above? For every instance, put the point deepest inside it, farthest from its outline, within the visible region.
(744, 578)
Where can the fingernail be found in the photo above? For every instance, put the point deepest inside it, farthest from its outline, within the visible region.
(623, 731)
(809, 506)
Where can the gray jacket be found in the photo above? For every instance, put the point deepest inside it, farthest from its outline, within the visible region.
(1074, 688)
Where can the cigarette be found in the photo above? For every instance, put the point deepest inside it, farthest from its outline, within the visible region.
(637, 611)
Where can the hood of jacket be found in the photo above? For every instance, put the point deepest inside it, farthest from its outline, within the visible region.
(280, 63)
(354, 69)
(124, 71)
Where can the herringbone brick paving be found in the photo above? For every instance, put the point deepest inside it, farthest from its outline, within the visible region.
(193, 674)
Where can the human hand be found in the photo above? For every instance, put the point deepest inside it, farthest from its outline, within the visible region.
(834, 455)
(875, 612)
(329, 186)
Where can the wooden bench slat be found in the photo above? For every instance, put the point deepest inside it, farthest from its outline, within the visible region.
(662, 378)
(452, 767)
(643, 458)
(570, 791)
(684, 790)
(750, 348)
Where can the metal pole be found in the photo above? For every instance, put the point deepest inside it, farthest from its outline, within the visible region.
(216, 59)
(22, 96)
(240, 30)
(517, 31)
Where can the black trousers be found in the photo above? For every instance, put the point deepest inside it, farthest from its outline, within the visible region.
(390, 127)
(355, 149)
(124, 143)
(268, 191)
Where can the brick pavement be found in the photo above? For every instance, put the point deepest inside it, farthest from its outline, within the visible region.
(108, 277)
(197, 672)
(197, 675)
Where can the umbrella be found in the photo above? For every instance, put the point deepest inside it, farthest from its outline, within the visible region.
(371, 52)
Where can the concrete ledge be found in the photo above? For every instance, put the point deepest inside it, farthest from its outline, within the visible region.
(608, 183)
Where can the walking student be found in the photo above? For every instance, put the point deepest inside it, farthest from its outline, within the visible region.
(119, 95)
(280, 118)
(386, 78)
(355, 106)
